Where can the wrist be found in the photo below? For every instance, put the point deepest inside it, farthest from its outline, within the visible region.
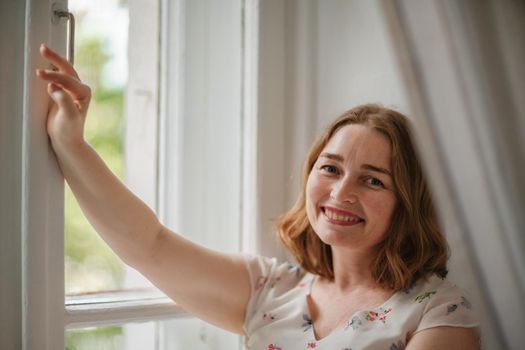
(65, 148)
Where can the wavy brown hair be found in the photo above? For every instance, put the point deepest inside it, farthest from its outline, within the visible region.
(414, 246)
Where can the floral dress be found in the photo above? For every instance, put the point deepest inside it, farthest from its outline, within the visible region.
(278, 317)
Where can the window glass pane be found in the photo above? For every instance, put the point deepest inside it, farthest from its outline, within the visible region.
(181, 334)
(107, 338)
(132, 336)
(202, 163)
(100, 59)
(176, 334)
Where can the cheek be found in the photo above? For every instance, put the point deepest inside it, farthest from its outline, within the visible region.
(314, 193)
(310, 193)
(316, 187)
(384, 207)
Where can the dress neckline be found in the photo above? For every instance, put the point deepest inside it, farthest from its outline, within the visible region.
(308, 314)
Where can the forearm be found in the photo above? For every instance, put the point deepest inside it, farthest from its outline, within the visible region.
(121, 218)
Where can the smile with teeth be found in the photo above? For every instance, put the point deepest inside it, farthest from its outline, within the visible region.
(340, 217)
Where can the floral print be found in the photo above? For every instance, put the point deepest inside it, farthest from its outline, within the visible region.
(451, 308)
(463, 303)
(278, 318)
(427, 295)
(274, 347)
(355, 322)
(307, 324)
(269, 317)
(261, 281)
(294, 269)
(394, 346)
(379, 315)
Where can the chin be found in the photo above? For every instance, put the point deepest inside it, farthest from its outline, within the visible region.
(333, 238)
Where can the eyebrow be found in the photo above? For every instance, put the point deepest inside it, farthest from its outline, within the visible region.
(376, 169)
(370, 167)
(332, 156)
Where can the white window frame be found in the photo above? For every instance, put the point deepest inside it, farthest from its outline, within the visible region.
(37, 223)
(12, 74)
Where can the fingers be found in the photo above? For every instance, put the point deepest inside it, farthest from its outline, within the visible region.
(79, 91)
(58, 61)
(62, 99)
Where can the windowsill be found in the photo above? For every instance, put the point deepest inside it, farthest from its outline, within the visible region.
(118, 307)
(112, 296)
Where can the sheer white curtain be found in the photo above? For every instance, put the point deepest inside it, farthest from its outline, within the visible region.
(463, 67)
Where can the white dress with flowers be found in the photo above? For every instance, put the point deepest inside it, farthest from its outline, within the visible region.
(278, 318)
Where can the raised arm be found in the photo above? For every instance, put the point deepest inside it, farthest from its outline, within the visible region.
(450, 338)
(210, 285)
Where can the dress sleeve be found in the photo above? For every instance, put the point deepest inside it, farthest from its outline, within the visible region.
(269, 280)
(448, 307)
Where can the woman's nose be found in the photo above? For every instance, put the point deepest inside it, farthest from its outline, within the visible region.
(344, 191)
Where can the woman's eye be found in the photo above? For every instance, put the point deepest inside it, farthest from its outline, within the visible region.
(329, 169)
(374, 182)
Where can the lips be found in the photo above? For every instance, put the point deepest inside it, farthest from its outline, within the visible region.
(341, 217)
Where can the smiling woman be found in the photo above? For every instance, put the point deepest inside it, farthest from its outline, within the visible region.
(365, 231)
(378, 143)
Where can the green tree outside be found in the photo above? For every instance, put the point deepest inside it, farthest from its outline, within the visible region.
(91, 266)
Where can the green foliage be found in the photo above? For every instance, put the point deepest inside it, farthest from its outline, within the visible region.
(90, 263)
(103, 338)
(90, 60)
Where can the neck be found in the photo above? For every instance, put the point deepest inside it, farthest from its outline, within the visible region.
(352, 269)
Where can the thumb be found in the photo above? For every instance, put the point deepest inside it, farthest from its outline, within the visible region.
(61, 98)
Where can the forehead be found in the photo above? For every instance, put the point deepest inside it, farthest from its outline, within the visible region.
(362, 144)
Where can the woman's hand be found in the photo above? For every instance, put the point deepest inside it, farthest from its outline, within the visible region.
(67, 114)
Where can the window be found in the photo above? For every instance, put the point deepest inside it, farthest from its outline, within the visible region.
(101, 61)
(119, 317)
(182, 148)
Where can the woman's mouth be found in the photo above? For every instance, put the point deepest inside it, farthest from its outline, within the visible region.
(341, 217)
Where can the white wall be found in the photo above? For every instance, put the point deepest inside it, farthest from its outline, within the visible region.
(337, 57)
(355, 62)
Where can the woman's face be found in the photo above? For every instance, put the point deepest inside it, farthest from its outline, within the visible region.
(350, 196)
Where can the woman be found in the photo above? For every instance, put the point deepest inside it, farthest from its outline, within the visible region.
(372, 259)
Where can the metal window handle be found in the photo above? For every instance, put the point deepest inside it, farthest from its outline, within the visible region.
(71, 33)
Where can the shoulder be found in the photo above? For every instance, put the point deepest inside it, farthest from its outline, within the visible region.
(439, 303)
(269, 271)
(270, 278)
(274, 284)
(445, 338)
